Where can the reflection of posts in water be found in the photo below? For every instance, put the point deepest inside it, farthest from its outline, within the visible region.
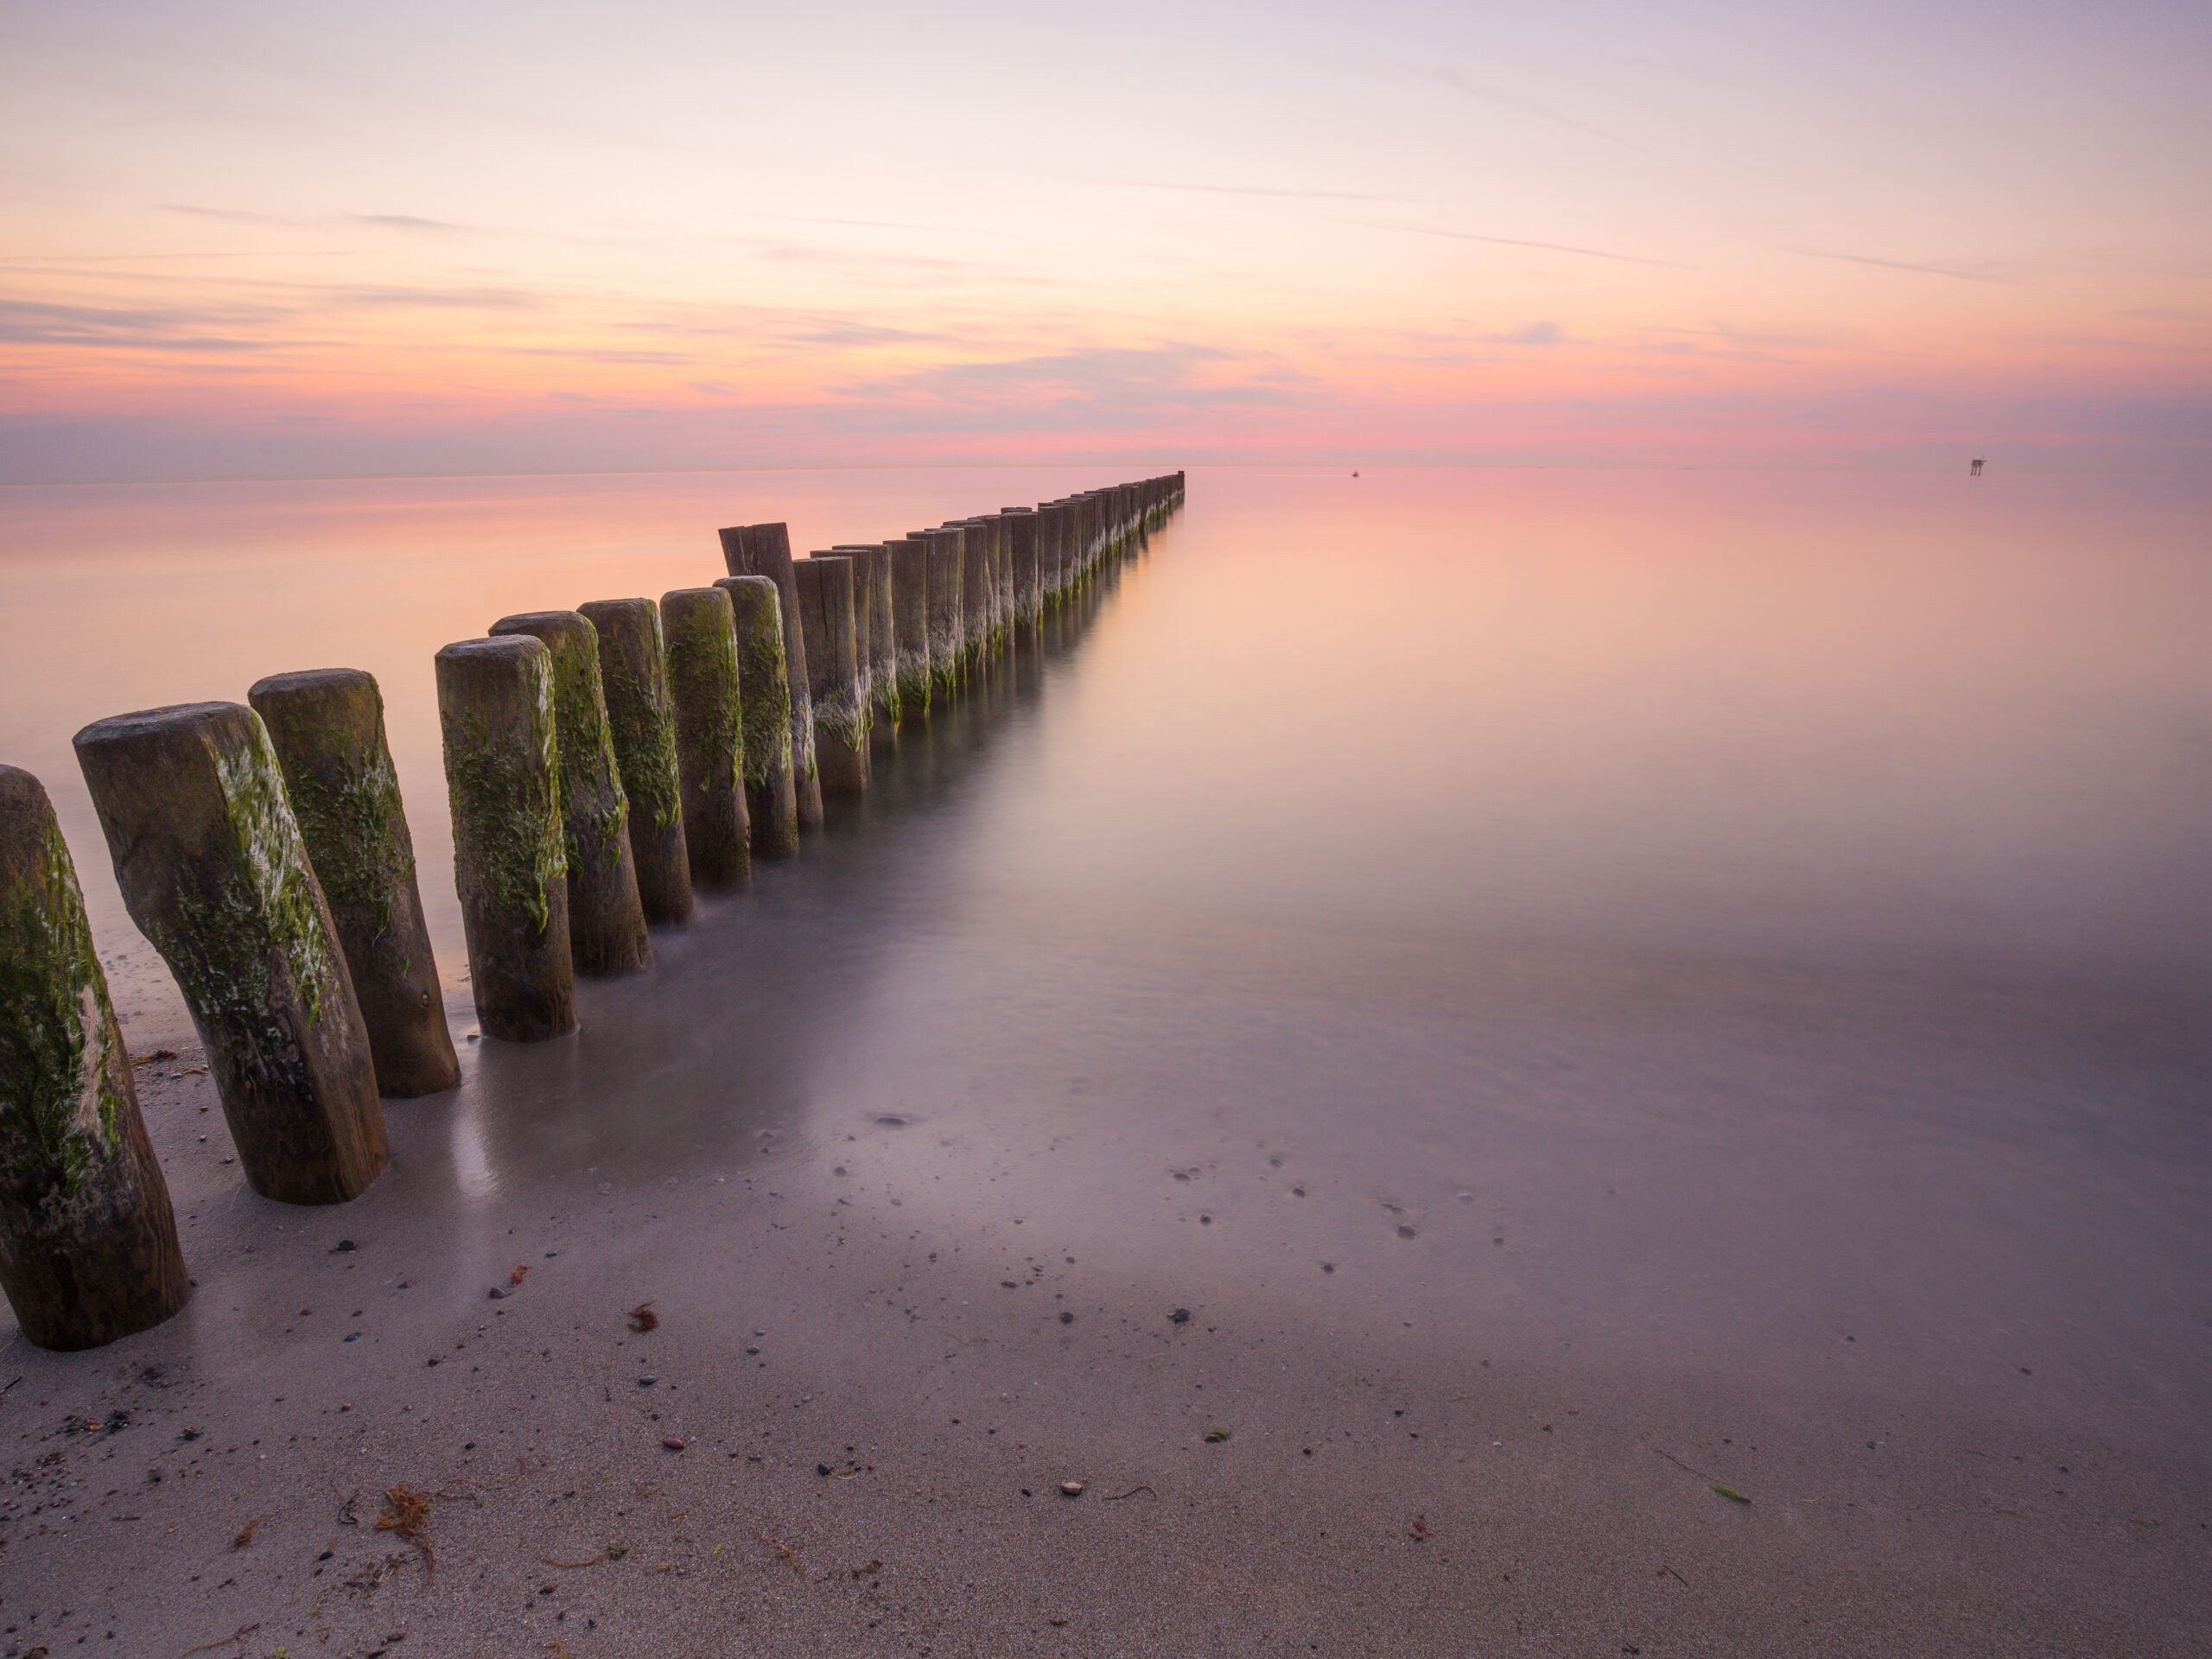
(763, 675)
(88, 1245)
(641, 721)
(209, 859)
(709, 719)
(607, 924)
(495, 708)
(841, 710)
(327, 727)
(909, 618)
(765, 551)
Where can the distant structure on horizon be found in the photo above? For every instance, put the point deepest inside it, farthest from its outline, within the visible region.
(1974, 470)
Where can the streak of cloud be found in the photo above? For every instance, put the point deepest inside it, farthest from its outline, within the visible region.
(1284, 192)
(1466, 88)
(1979, 271)
(1516, 242)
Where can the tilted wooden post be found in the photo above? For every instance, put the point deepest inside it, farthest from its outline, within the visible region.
(765, 551)
(634, 672)
(771, 792)
(327, 726)
(88, 1246)
(503, 777)
(606, 923)
(704, 684)
(212, 871)
(872, 593)
(841, 711)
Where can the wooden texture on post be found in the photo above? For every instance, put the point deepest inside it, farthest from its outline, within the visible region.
(704, 688)
(212, 871)
(978, 591)
(948, 621)
(1002, 577)
(841, 713)
(88, 1245)
(607, 924)
(909, 618)
(872, 593)
(1022, 531)
(503, 779)
(327, 726)
(771, 791)
(641, 720)
(765, 551)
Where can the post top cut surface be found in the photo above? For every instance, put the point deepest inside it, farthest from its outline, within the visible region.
(542, 623)
(304, 680)
(151, 723)
(504, 645)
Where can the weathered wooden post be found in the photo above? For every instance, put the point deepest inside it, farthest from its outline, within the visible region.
(771, 792)
(841, 713)
(88, 1246)
(704, 686)
(765, 551)
(978, 591)
(1052, 577)
(909, 617)
(327, 727)
(503, 777)
(872, 581)
(948, 620)
(1021, 530)
(641, 721)
(1002, 572)
(606, 923)
(209, 859)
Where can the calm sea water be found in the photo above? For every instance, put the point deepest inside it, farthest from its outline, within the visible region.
(1762, 906)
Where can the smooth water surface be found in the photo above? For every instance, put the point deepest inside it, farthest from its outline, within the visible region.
(1708, 916)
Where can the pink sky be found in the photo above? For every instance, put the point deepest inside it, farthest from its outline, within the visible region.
(251, 239)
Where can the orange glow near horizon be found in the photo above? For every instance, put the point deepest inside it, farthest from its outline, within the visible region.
(241, 241)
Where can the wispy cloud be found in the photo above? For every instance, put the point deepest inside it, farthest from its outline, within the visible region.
(408, 222)
(1286, 192)
(136, 328)
(1519, 242)
(1536, 333)
(1459, 83)
(1979, 270)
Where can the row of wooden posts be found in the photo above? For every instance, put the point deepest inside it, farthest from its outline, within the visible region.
(601, 764)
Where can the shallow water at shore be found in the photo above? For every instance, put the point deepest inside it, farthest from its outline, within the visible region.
(1712, 945)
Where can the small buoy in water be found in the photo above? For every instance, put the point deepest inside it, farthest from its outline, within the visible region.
(1355, 472)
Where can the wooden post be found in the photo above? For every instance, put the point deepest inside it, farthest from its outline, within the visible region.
(841, 711)
(327, 726)
(88, 1246)
(704, 686)
(765, 551)
(503, 779)
(209, 859)
(606, 923)
(948, 620)
(1002, 576)
(641, 721)
(770, 790)
(872, 592)
(1022, 527)
(978, 591)
(910, 616)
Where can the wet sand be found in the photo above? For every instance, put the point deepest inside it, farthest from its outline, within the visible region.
(1507, 1231)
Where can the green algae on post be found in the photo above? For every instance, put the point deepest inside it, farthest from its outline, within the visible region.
(641, 720)
(706, 691)
(948, 628)
(765, 551)
(607, 922)
(771, 791)
(910, 618)
(503, 777)
(327, 727)
(88, 1244)
(214, 872)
